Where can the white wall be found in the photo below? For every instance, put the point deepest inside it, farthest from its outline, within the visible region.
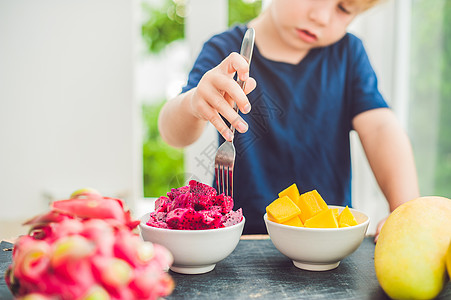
(67, 113)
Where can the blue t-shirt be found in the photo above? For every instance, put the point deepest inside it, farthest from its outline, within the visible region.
(300, 121)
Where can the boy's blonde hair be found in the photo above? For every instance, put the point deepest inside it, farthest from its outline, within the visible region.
(364, 4)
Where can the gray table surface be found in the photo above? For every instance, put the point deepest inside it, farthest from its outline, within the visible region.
(257, 270)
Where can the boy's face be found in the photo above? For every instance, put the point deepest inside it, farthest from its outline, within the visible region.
(307, 24)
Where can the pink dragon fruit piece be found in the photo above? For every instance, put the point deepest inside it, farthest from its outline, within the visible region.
(225, 202)
(205, 194)
(200, 188)
(161, 204)
(232, 217)
(175, 218)
(174, 193)
(189, 219)
(202, 202)
(216, 208)
(182, 201)
(199, 197)
(157, 219)
(192, 220)
(210, 219)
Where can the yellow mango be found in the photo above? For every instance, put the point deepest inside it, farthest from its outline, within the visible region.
(321, 203)
(292, 192)
(448, 260)
(409, 257)
(324, 219)
(336, 213)
(282, 209)
(310, 206)
(295, 221)
(346, 217)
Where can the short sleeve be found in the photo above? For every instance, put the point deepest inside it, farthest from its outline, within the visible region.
(215, 50)
(209, 57)
(363, 87)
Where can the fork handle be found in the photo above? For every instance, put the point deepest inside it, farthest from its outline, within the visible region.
(235, 107)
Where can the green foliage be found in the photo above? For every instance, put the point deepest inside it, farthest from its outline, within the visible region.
(430, 105)
(443, 173)
(243, 11)
(162, 164)
(164, 24)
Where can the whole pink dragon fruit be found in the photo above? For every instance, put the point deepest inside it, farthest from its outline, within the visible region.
(194, 207)
(85, 248)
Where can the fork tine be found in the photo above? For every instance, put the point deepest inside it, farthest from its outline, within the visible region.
(227, 178)
(221, 172)
(219, 179)
(231, 181)
(223, 179)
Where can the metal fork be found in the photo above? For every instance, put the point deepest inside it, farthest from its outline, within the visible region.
(225, 155)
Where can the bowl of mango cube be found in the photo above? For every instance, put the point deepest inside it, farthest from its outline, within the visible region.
(314, 235)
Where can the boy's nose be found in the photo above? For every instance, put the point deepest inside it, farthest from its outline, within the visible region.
(322, 12)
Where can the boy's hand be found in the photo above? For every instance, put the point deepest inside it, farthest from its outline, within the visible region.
(379, 227)
(217, 91)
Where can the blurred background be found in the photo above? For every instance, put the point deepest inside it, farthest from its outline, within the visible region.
(82, 82)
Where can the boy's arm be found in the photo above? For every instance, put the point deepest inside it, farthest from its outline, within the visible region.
(177, 124)
(390, 155)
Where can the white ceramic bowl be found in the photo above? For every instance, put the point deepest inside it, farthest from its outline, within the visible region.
(318, 249)
(194, 251)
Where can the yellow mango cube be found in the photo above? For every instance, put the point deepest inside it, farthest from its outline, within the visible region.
(325, 219)
(292, 192)
(336, 213)
(295, 221)
(346, 217)
(282, 209)
(310, 205)
(319, 200)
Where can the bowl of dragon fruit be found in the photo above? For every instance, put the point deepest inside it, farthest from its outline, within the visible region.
(198, 226)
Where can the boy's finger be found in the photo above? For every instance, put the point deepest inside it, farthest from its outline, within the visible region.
(250, 85)
(224, 108)
(235, 63)
(231, 87)
(211, 115)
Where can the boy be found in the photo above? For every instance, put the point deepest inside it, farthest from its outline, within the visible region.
(315, 85)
